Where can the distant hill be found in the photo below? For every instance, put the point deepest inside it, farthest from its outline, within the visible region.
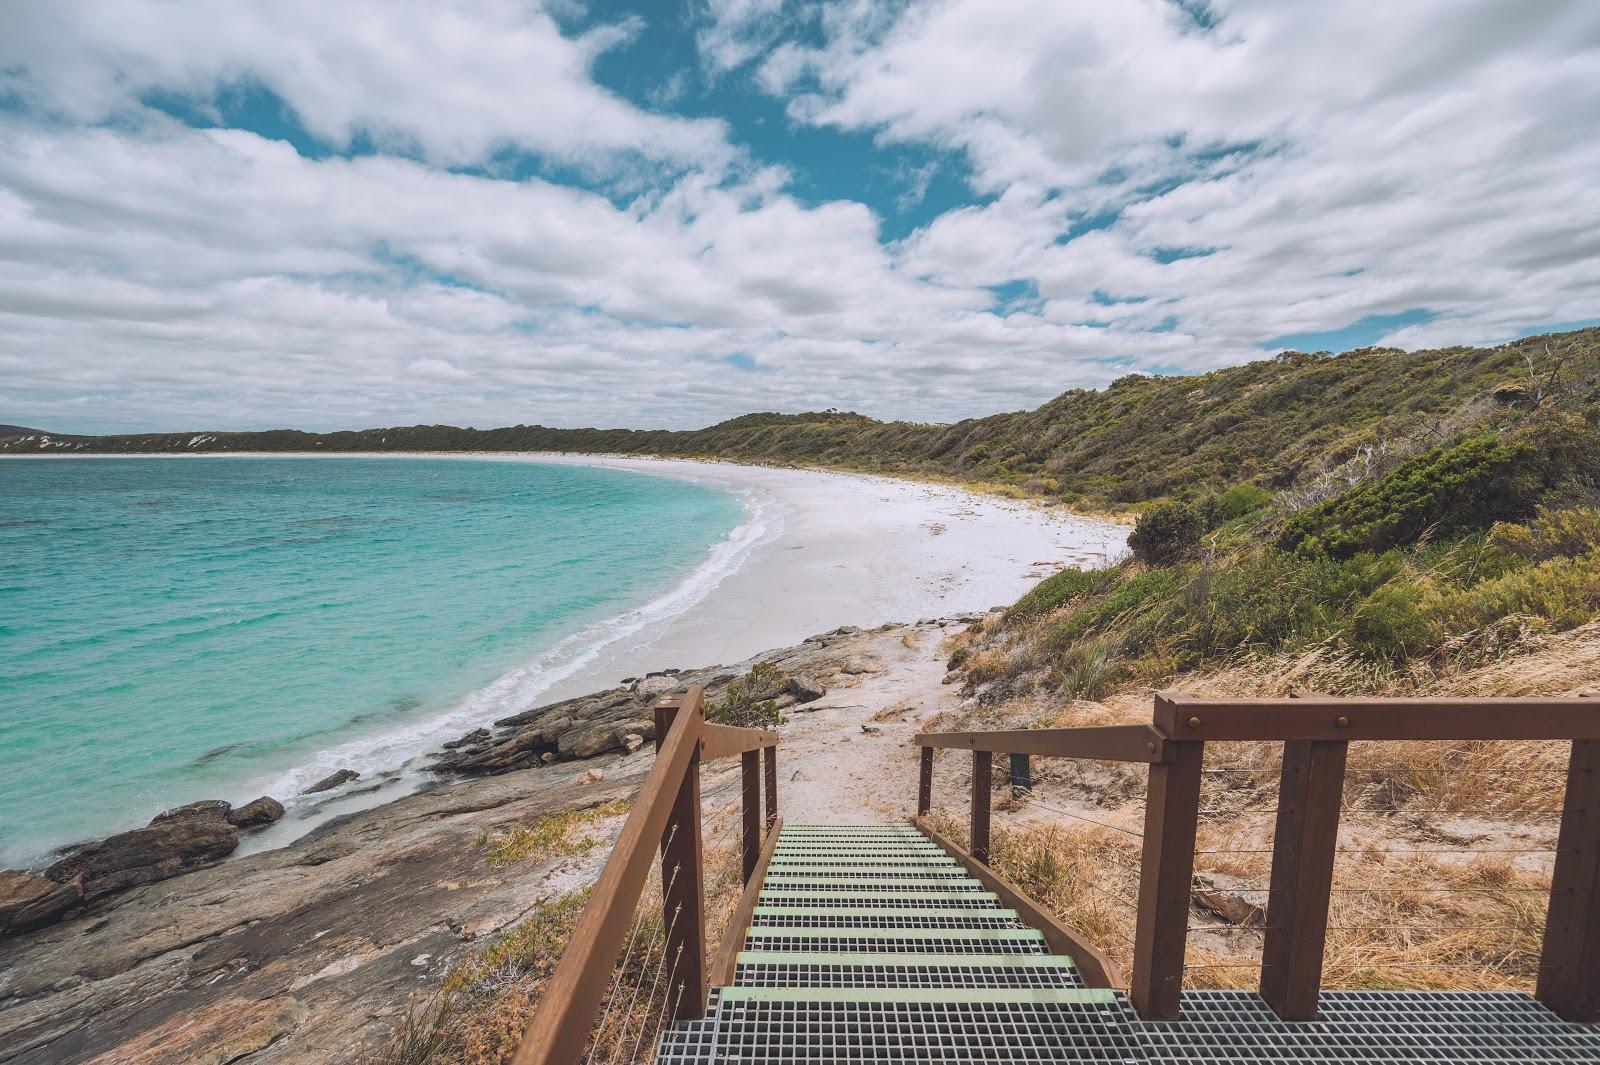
(1271, 422)
(19, 430)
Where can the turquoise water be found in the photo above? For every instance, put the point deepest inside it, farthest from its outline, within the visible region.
(181, 629)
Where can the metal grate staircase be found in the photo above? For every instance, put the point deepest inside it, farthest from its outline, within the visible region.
(871, 944)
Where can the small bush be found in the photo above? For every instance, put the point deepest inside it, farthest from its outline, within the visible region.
(551, 836)
(751, 701)
(1397, 621)
(1167, 533)
(1481, 480)
(1236, 502)
(1551, 534)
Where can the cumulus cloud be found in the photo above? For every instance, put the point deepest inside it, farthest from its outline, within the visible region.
(1330, 162)
(454, 81)
(1167, 186)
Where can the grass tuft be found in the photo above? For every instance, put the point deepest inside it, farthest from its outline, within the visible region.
(551, 836)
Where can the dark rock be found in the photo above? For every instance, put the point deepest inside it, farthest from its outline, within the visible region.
(257, 812)
(204, 810)
(145, 855)
(476, 738)
(1227, 904)
(520, 750)
(805, 689)
(28, 901)
(333, 780)
(590, 741)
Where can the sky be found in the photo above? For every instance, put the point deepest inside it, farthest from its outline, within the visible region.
(378, 212)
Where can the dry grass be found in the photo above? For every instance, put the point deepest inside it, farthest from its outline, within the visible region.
(1419, 921)
(483, 1007)
(551, 836)
(1445, 848)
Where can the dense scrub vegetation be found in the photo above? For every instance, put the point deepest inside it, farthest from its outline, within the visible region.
(1443, 560)
(1297, 419)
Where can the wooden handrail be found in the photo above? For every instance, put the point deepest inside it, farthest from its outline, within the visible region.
(559, 1029)
(1112, 743)
(725, 741)
(1323, 718)
(727, 964)
(1315, 731)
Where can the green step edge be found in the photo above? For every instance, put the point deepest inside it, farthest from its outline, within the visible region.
(876, 881)
(896, 961)
(875, 849)
(1002, 935)
(801, 893)
(822, 911)
(803, 864)
(812, 870)
(953, 995)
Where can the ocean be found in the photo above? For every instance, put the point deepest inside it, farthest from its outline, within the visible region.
(180, 629)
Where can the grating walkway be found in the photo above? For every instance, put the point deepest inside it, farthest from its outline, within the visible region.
(870, 944)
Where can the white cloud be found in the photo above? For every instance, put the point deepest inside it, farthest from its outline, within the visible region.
(1442, 149)
(215, 278)
(157, 276)
(456, 81)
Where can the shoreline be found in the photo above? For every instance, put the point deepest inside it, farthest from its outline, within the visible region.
(817, 549)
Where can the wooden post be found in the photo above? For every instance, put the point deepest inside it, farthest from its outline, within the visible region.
(1021, 776)
(1569, 965)
(682, 880)
(1304, 845)
(925, 783)
(982, 766)
(750, 773)
(770, 754)
(1171, 814)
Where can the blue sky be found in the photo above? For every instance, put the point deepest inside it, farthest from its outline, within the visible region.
(659, 214)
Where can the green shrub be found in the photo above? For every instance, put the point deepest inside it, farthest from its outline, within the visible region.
(1551, 534)
(1484, 479)
(1399, 620)
(1236, 502)
(1054, 590)
(751, 702)
(1167, 533)
(1563, 593)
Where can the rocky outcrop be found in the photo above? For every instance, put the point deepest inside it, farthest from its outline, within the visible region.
(620, 718)
(204, 810)
(805, 689)
(256, 813)
(176, 841)
(28, 901)
(128, 859)
(308, 954)
(331, 781)
(253, 814)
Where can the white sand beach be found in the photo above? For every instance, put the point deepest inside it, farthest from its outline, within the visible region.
(830, 549)
(817, 550)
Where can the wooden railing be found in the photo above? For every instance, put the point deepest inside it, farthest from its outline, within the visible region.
(1315, 733)
(665, 818)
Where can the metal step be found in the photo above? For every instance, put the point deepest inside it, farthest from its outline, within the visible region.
(800, 969)
(1080, 1027)
(838, 940)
